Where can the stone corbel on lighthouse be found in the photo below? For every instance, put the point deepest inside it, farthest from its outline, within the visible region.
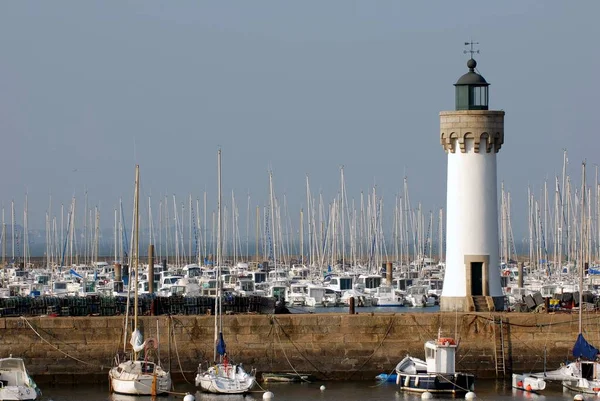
(483, 127)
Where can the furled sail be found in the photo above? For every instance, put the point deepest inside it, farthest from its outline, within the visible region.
(221, 345)
(583, 349)
(137, 341)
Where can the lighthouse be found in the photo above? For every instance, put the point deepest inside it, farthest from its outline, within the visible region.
(472, 135)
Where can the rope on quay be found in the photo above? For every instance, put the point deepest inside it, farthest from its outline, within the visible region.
(376, 348)
(287, 359)
(59, 350)
(179, 360)
(274, 319)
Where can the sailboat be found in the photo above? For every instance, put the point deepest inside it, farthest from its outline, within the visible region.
(223, 377)
(140, 374)
(582, 375)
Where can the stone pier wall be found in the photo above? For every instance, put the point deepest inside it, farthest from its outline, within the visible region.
(331, 346)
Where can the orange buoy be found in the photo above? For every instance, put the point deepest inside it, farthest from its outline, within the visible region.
(520, 384)
(528, 387)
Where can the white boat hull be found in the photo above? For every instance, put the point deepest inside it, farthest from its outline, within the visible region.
(128, 379)
(225, 381)
(15, 382)
(527, 382)
(18, 393)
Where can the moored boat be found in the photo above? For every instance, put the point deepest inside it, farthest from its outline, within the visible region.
(16, 384)
(435, 374)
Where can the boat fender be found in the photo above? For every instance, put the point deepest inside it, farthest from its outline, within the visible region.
(398, 377)
(596, 389)
(417, 381)
(407, 381)
(470, 396)
(520, 384)
(528, 388)
(189, 397)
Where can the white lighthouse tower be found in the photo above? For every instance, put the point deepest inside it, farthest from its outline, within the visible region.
(471, 135)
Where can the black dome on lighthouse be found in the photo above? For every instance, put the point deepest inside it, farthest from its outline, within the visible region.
(471, 77)
(471, 90)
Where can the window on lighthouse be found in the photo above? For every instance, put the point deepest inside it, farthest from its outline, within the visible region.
(478, 96)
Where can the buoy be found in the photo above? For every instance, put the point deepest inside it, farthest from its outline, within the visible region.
(528, 388)
(470, 396)
(189, 397)
(322, 388)
(267, 395)
(426, 395)
(578, 397)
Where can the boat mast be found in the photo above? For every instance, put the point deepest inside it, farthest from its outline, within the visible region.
(219, 256)
(136, 249)
(581, 246)
(3, 239)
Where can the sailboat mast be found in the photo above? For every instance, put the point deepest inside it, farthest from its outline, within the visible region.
(136, 248)
(219, 250)
(581, 246)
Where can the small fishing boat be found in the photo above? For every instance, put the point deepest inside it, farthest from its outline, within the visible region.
(287, 377)
(435, 374)
(15, 382)
(527, 382)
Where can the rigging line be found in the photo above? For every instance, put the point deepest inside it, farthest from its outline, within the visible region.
(59, 350)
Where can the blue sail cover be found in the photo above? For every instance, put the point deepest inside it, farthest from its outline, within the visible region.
(221, 345)
(74, 273)
(583, 349)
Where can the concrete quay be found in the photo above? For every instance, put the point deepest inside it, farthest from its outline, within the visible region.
(331, 346)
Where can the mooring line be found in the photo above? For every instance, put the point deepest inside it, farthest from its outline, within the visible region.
(177, 353)
(59, 350)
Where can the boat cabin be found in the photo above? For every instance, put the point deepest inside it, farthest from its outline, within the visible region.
(258, 277)
(440, 355)
(402, 284)
(339, 283)
(368, 283)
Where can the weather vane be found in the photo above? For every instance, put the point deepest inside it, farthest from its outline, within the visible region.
(471, 50)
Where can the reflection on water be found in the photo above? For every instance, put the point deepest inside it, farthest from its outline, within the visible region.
(335, 391)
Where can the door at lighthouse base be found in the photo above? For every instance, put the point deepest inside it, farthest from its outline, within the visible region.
(476, 278)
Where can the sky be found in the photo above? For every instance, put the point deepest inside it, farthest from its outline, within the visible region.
(88, 89)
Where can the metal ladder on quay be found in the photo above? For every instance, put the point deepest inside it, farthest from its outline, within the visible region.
(499, 349)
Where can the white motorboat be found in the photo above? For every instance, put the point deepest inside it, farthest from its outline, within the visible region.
(15, 382)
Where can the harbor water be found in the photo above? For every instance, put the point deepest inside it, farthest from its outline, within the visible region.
(334, 391)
